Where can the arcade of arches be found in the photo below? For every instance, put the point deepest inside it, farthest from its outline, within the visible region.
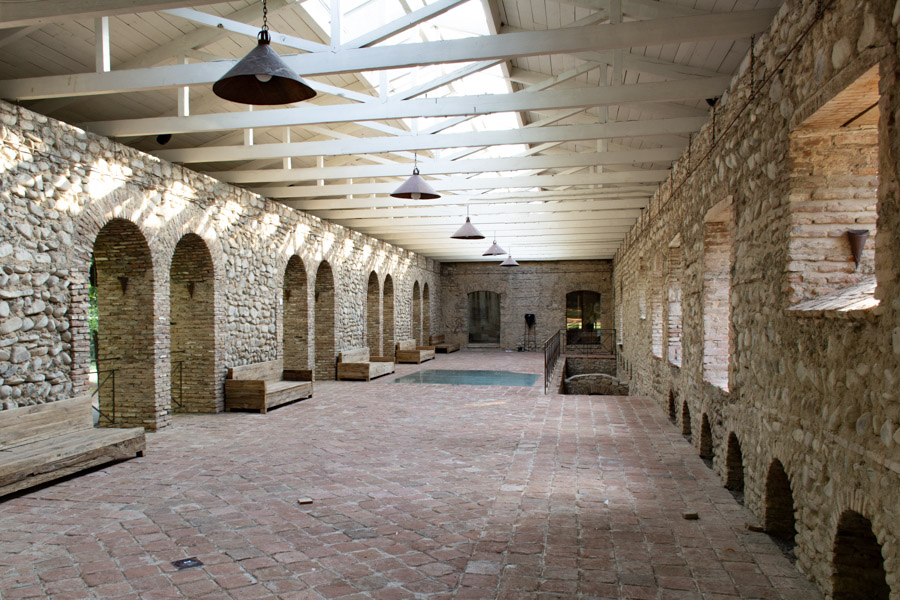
(739, 311)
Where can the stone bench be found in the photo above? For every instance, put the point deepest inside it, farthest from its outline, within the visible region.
(44, 442)
(357, 364)
(440, 345)
(265, 385)
(409, 352)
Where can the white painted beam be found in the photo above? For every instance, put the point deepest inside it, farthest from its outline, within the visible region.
(490, 221)
(560, 133)
(101, 44)
(463, 183)
(557, 41)
(686, 89)
(550, 212)
(447, 167)
(408, 21)
(37, 12)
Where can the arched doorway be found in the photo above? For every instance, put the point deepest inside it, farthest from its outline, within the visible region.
(373, 315)
(123, 270)
(416, 313)
(388, 316)
(192, 325)
(296, 315)
(484, 317)
(858, 562)
(426, 313)
(779, 517)
(325, 321)
(582, 317)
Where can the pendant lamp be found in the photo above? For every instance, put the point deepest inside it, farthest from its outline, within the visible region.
(467, 231)
(261, 77)
(415, 188)
(495, 250)
(510, 261)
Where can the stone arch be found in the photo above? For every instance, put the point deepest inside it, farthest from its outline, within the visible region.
(426, 313)
(373, 315)
(325, 322)
(389, 335)
(779, 521)
(295, 314)
(416, 328)
(673, 412)
(734, 464)
(192, 327)
(127, 313)
(686, 420)
(858, 562)
(706, 438)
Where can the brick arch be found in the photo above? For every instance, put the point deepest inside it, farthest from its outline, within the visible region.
(295, 314)
(857, 561)
(416, 324)
(373, 314)
(193, 327)
(127, 340)
(325, 308)
(388, 328)
(779, 520)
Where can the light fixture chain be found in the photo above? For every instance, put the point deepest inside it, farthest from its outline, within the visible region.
(265, 24)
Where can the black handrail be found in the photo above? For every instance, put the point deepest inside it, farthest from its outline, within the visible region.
(178, 366)
(551, 355)
(110, 376)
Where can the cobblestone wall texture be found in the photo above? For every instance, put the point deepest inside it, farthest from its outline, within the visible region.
(60, 186)
(538, 288)
(815, 391)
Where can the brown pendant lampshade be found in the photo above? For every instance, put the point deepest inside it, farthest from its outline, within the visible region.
(415, 188)
(262, 78)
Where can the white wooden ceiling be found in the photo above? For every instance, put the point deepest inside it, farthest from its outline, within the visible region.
(551, 121)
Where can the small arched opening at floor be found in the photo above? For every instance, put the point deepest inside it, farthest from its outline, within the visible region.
(673, 412)
(734, 468)
(706, 441)
(858, 563)
(779, 515)
(686, 420)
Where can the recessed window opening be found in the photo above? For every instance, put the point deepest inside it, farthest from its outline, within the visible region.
(673, 299)
(582, 316)
(717, 246)
(484, 317)
(833, 199)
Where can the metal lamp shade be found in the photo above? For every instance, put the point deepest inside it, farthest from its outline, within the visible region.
(415, 188)
(494, 250)
(467, 232)
(262, 78)
(509, 262)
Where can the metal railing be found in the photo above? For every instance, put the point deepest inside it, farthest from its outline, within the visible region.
(552, 348)
(591, 342)
(111, 378)
(178, 367)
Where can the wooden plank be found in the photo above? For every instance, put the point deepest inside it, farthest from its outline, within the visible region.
(264, 371)
(26, 424)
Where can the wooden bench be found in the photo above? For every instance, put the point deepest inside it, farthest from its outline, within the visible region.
(440, 345)
(44, 442)
(265, 385)
(357, 364)
(409, 352)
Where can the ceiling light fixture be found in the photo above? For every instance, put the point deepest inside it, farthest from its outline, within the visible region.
(510, 261)
(415, 188)
(261, 77)
(495, 250)
(467, 231)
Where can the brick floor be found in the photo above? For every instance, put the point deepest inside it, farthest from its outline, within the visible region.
(420, 491)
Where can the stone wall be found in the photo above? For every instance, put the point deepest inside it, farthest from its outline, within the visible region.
(539, 288)
(814, 391)
(62, 190)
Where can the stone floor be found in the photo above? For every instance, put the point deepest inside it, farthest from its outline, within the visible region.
(419, 491)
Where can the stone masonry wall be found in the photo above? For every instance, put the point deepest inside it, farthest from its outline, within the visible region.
(539, 288)
(815, 391)
(61, 187)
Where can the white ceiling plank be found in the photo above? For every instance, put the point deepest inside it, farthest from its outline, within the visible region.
(567, 40)
(463, 183)
(665, 91)
(560, 133)
(453, 167)
(482, 217)
(429, 11)
(38, 12)
(488, 222)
